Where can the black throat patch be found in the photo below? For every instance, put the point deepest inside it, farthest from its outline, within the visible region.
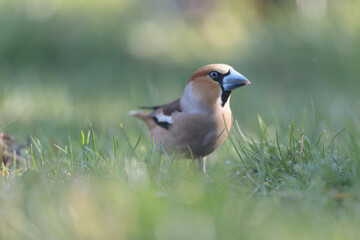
(225, 97)
(225, 94)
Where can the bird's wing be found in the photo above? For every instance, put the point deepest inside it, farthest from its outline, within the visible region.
(162, 114)
(172, 107)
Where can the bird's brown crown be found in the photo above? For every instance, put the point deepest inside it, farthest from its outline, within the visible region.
(205, 70)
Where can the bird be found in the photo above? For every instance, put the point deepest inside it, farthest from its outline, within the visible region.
(198, 122)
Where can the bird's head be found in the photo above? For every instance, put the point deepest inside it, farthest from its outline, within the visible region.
(215, 81)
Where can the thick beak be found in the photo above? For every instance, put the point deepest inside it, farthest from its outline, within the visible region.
(234, 80)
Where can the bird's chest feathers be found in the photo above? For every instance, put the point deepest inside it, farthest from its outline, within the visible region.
(217, 115)
(196, 101)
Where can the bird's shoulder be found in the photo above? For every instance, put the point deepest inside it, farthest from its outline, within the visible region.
(172, 107)
(162, 115)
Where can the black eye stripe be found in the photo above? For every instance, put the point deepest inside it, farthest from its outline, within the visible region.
(213, 74)
(219, 76)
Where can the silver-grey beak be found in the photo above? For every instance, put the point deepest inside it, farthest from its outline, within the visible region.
(234, 80)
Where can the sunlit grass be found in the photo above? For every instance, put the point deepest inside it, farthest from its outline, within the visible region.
(294, 184)
(289, 169)
(90, 171)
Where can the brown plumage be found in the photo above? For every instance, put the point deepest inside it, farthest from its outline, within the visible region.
(197, 123)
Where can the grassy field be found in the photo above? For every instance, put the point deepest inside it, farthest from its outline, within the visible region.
(71, 70)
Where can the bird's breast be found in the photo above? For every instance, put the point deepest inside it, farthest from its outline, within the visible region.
(194, 135)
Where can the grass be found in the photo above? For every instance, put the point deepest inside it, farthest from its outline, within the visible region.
(296, 183)
(278, 176)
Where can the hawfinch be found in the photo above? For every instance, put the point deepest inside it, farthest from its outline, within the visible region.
(198, 122)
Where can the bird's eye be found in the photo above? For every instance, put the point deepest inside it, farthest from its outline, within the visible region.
(213, 74)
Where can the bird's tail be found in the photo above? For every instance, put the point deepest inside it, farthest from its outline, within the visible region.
(145, 116)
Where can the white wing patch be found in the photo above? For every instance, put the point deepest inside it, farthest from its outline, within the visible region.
(164, 118)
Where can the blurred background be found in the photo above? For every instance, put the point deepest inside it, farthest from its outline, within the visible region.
(66, 63)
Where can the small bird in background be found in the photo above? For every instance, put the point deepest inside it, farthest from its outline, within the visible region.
(198, 122)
